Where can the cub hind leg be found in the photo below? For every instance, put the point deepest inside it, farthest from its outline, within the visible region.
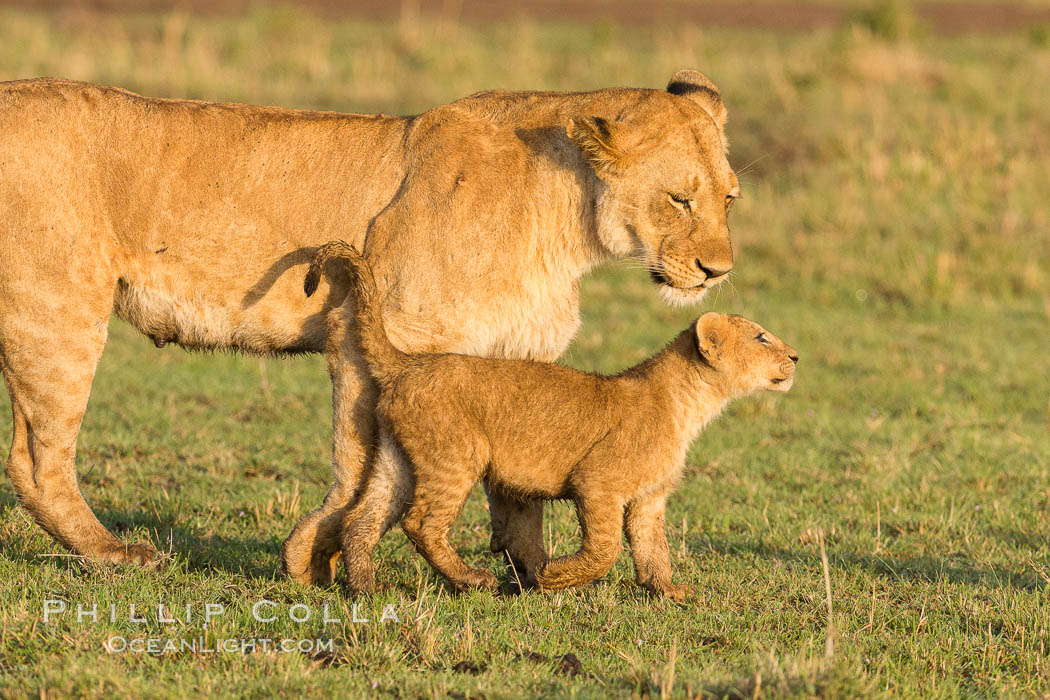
(601, 519)
(442, 486)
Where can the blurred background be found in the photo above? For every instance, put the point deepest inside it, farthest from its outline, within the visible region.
(895, 228)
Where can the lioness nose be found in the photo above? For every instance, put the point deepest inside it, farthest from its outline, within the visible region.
(710, 271)
(793, 357)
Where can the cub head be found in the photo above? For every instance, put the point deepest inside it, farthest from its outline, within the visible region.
(745, 355)
(666, 185)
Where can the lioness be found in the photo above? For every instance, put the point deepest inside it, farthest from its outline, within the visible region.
(614, 445)
(188, 220)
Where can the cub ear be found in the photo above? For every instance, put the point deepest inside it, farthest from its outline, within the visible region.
(601, 141)
(694, 85)
(709, 334)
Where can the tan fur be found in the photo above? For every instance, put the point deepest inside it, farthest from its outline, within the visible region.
(614, 445)
(193, 221)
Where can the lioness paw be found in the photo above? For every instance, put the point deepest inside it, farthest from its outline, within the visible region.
(679, 593)
(141, 554)
(478, 578)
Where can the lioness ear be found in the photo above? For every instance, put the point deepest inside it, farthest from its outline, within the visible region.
(694, 85)
(709, 333)
(601, 141)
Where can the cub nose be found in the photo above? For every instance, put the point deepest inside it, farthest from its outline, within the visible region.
(711, 272)
(793, 357)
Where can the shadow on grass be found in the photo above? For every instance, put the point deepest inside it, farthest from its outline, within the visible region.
(810, 679)
(1018, 539)
(923, 568)
(7, 499)
(251, 557)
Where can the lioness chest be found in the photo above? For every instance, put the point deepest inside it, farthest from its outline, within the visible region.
(539, 325)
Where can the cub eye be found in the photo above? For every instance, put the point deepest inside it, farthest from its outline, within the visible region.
(681, 201)
(761, 337)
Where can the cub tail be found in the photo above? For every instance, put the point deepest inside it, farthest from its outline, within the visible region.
(383, 357)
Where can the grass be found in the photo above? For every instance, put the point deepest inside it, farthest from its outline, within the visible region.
(895, 229)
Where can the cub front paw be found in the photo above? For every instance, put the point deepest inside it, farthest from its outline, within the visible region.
(552, 579)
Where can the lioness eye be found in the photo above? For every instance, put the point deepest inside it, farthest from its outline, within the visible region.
(733, 195)
(681, 201)
(761, 337)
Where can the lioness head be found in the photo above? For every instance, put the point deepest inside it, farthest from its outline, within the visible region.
(667, 185)
(746, 356)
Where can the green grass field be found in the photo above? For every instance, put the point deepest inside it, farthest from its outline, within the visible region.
(895, 229)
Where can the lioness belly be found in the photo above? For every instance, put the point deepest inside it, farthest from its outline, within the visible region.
(205, 216)
(170, 313)
(232, 288)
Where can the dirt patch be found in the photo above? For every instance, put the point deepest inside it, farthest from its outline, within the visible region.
(942, 17)
(564, 665)
(468, 667)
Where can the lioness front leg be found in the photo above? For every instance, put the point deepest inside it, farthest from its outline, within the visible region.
(601, 519)
(517, 533)
(311, 552)
(647, 535)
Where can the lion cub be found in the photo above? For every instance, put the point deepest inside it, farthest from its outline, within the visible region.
(615, 445)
